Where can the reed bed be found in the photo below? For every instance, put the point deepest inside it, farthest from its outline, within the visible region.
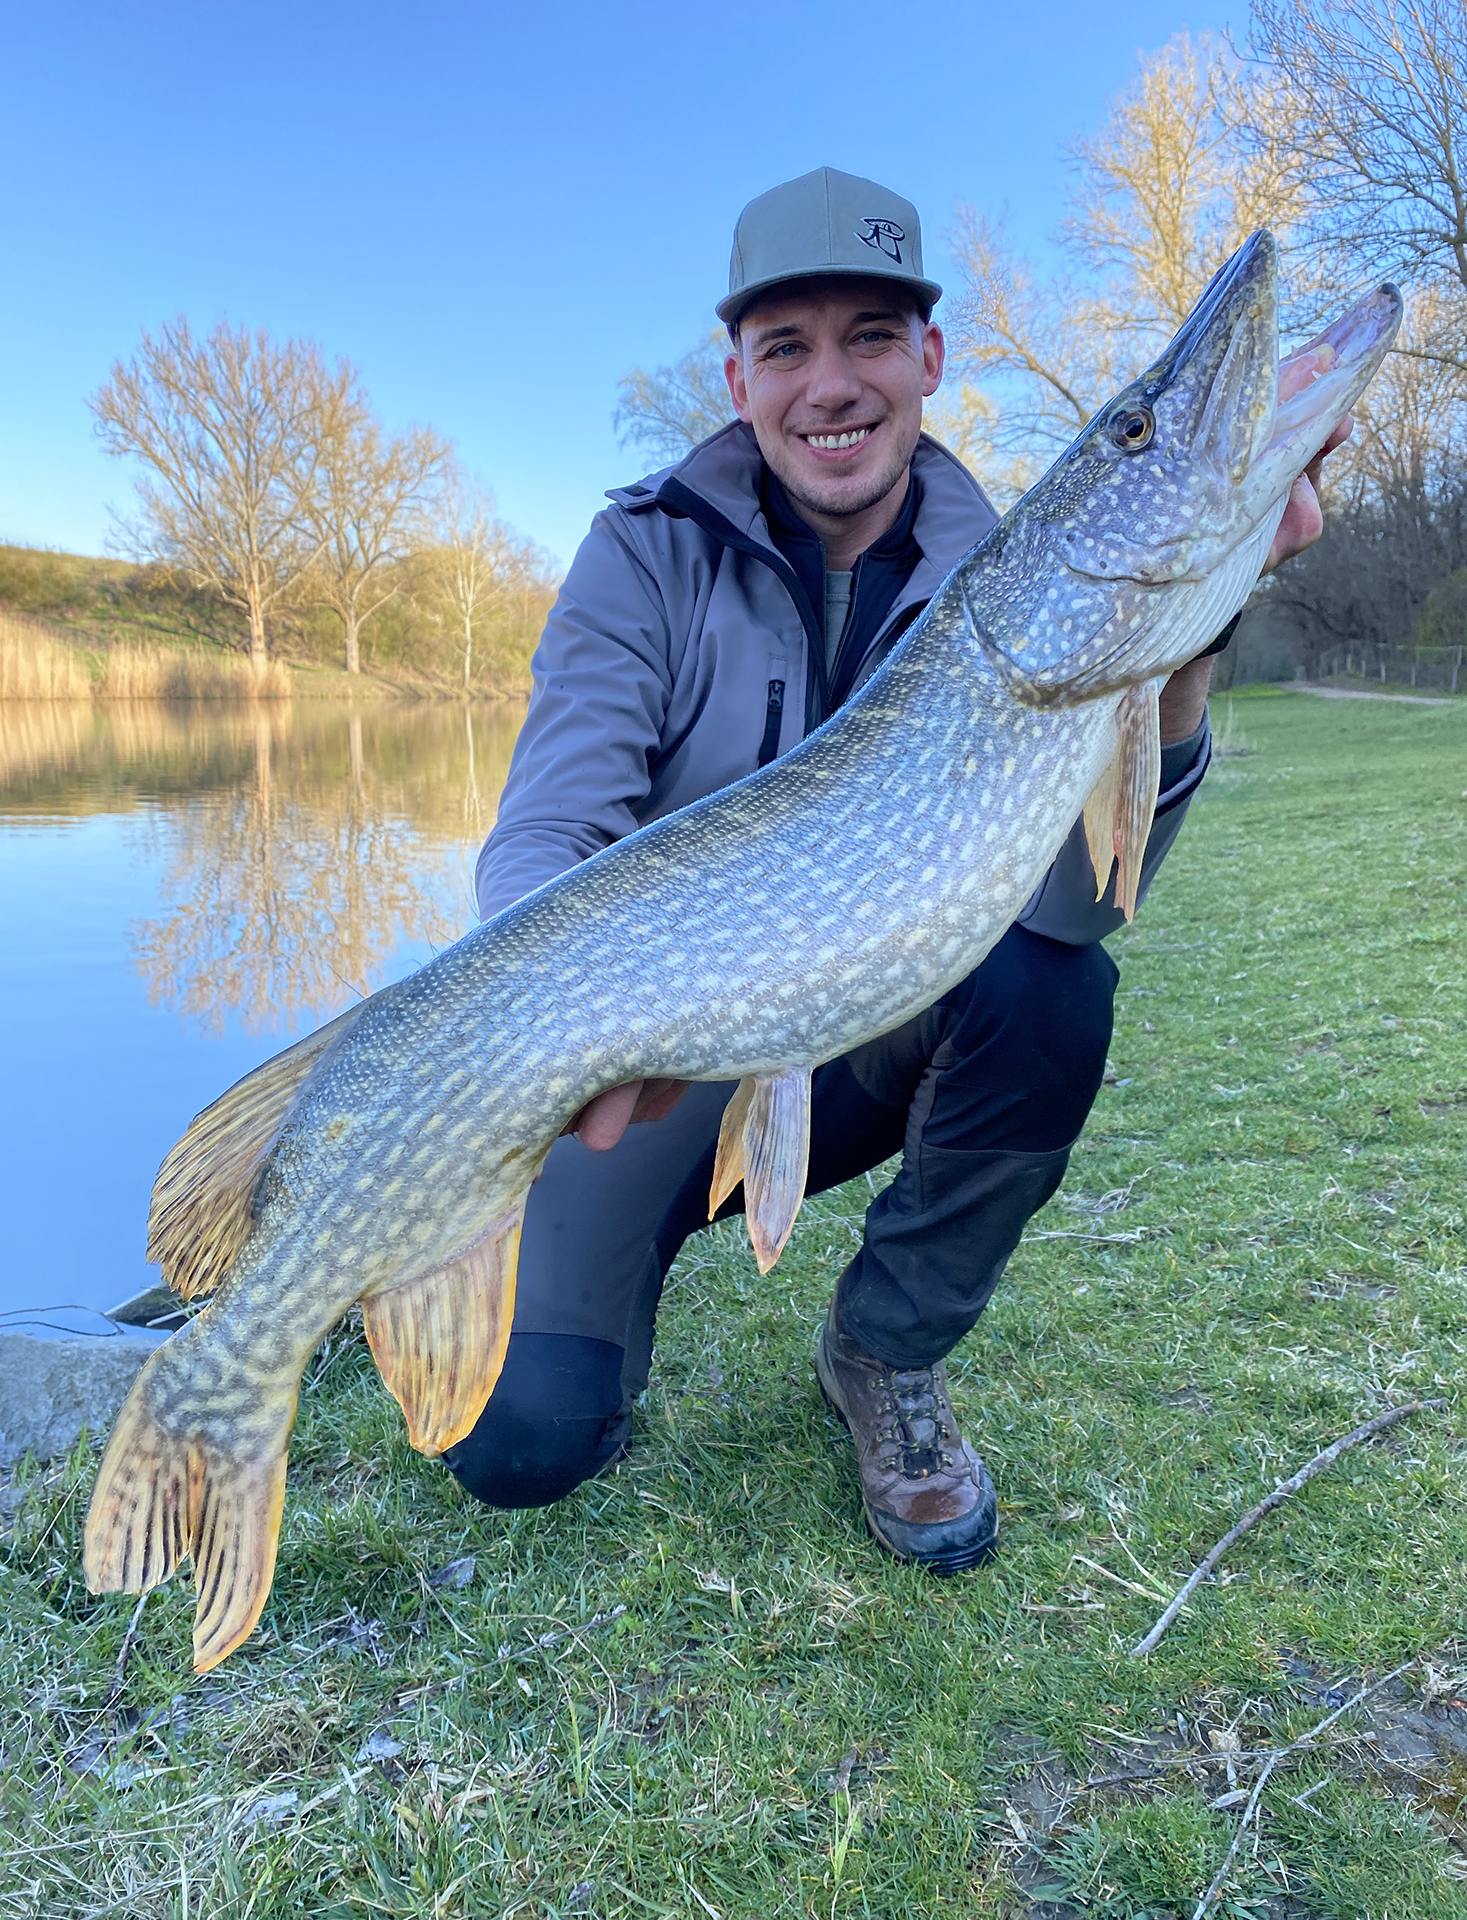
(133, 672)
(35, 665)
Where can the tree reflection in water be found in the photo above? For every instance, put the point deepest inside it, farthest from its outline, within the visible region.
(306, 843)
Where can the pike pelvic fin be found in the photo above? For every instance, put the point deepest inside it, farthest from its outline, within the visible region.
(764, 1140)
(200, 1213)
(159, 1497)
(439, 1340)
(1121, 806)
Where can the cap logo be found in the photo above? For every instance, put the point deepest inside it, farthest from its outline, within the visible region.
(886, 236)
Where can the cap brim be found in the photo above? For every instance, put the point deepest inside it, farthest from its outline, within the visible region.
(734, 304)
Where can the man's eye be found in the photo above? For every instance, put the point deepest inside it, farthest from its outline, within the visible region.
(875, 338)
(786, 350)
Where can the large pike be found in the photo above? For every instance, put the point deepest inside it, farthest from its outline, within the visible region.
(770, 927)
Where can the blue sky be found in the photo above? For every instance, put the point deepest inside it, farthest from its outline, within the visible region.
(493, 210)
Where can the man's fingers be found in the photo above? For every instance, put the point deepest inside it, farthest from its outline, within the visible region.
(657, 1099)
(603, 1121)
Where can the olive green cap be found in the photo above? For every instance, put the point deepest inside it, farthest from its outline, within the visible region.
(824, 222)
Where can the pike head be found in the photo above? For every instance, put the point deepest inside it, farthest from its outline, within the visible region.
(1148, 533)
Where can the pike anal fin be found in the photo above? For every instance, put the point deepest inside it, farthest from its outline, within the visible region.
(439, 1340)
(765, 1142)
(1122, 805)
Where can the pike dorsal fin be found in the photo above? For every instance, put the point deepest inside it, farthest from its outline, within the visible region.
(439, 1340)
(765, 1142)
(1120, 809)
(200, 1213)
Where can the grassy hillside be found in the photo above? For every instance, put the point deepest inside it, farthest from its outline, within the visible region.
(103, 609)
(697, 1688)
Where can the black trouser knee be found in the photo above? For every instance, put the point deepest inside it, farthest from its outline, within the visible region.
(554, 1419)
(1008, 1088)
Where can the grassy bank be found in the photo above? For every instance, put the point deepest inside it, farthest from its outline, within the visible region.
(696, 1687)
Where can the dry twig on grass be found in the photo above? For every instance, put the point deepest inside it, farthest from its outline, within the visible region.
(1275, 1757)
(1283, 1491)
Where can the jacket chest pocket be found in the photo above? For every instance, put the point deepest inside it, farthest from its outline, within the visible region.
(773, 711)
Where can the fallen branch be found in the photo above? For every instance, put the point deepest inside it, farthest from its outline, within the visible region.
(1283, 1491)
(1280, 1754)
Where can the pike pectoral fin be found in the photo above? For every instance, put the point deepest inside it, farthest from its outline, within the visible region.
(439, 1340)
(159, 1497)
(200, 1213)
(1138, 778)
(765, 1142)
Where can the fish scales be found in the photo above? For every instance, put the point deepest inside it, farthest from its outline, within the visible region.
(768, 928)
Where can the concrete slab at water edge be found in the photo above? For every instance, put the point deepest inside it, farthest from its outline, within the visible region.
(56, 1380)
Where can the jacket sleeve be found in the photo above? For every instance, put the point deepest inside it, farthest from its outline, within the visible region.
(601, 684)
(1063, 906)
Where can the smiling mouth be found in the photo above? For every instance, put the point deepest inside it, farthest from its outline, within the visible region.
(838, 442)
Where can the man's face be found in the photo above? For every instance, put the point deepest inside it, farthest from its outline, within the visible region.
(832, 376)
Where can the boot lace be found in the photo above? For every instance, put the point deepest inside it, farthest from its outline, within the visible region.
(917, 1427)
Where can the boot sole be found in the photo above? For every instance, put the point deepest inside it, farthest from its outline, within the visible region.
(944, 1565)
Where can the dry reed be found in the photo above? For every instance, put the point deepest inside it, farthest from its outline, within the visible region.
(35, 665)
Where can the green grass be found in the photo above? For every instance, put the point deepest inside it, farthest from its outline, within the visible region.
(1288, 1120)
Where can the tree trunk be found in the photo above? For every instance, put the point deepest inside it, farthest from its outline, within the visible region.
(353, 642)
(259, 652)
(468, 650)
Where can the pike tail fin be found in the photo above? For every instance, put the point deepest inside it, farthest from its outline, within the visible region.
(159, 1497)
(764, 1141)
(439, 1340)
(1121, 807)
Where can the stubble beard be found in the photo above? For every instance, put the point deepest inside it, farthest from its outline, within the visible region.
(841, 505)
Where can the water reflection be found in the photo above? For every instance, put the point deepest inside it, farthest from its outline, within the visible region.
(304, 847)
(184, 888)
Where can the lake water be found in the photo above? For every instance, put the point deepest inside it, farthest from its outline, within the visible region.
(182, 891)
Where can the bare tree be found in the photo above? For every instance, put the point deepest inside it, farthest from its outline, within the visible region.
(669, 410)
(1162, 193)
(228, 432)
(362, 511)
(494, 587)
(1377, 96)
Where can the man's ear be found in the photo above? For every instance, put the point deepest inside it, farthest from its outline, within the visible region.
(934, 351)
(733, 372)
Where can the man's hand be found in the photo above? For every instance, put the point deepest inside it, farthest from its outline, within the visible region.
(1303, 522)
(603, 1121)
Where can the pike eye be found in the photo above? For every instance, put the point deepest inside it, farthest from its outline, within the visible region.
(1131, 429)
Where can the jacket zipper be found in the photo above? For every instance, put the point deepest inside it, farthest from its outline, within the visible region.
(773, 719)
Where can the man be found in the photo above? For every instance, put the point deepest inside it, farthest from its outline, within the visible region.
(714, 615)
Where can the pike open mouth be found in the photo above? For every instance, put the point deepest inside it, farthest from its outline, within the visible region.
(1314, 380)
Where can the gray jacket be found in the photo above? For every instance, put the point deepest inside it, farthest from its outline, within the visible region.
(676, 659)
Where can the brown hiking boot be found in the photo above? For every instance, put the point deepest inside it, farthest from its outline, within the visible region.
(927, 1495)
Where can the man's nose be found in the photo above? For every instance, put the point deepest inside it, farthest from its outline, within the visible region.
(834, 381)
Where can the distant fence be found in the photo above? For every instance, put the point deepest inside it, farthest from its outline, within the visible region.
(1436, 668)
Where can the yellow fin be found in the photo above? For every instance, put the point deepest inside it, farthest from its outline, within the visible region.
(238, 1504)
(439, 1340)
(1138, 778)
(159, 1497)
(1100, 825)
(728, 1162)
(765, 1142)
(200, 1213)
